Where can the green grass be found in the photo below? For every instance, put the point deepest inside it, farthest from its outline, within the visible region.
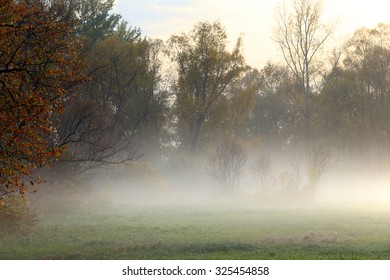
(207, 233)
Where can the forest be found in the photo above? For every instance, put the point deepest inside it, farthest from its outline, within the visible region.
(93, 113)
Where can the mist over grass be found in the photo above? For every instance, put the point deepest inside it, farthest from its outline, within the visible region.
(154, 210)
(190, 183)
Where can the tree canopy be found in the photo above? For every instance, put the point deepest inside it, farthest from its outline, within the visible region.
(35, 74)
(205, 71)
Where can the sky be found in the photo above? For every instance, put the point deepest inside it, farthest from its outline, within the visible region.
(253, 19)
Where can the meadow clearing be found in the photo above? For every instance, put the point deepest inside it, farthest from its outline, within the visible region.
(236, 232)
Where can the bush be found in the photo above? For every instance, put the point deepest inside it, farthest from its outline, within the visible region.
(16, 215)
(226, 166)
(262, 170)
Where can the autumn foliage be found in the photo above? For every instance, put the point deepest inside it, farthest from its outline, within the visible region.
(38, 64)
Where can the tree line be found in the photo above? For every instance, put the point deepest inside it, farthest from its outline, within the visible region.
(81, 89)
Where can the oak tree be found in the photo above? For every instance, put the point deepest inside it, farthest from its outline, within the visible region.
(39, 62)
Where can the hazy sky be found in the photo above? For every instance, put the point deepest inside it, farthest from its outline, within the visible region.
(254, 19)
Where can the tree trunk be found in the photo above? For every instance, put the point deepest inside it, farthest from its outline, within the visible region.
(195, 133)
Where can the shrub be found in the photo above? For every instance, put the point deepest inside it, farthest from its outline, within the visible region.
(262, 170)
(16, 215)
(226, 166)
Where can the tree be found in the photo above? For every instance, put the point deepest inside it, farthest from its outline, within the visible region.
(301, 36)
(39, 62)
(240, 99)
(339, 110)
(96, 21)
(357, 99)
(118, 109)
(205, 70)
(275, 116)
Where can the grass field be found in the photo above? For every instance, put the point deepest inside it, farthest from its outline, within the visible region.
(208, 233)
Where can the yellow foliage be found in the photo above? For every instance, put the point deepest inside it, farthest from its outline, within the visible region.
(16, 215)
